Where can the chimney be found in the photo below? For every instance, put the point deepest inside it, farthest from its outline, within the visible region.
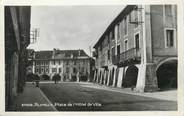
(54, 53)
(79, 52)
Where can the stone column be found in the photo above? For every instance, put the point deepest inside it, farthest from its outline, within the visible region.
(94, 76)
(108, 79)
(150, 79)
(114, 77)
(77, 76)
(101, 77)
(104, 76)
(147, 80)
(120, 77)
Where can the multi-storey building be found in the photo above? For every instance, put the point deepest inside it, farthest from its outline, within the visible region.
(139, 49)
(17, 38)
(70, 64)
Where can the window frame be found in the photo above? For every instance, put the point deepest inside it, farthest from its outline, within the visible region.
(119, 49)
(137, 33)
(174, 37)
(125, 22)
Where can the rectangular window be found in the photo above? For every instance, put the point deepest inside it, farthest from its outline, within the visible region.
(126, 26)
(113, 51)
(42, 70)
(74, 70)
(126, 45)
(60, 70)
(59, 62)
(118, 31)
(170, 38)
(47, 70)
(118, 50)
(37, 70)
(137, 46)
(168, 10)
(54, 70)
(108, 54)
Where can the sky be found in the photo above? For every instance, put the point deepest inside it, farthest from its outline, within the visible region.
(71, 27)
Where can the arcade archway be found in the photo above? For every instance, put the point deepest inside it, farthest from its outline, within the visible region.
(167, 75)
(130, 78)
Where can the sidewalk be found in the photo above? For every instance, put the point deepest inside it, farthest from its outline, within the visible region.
(32, 99)
(170, 95)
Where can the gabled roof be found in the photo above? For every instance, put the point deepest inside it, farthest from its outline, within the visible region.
(122, 14)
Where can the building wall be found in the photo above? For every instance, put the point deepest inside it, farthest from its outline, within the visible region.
(152, 23)
(160, 22)
(17, 28)
(60, 67)
(82, 67)
(41, 67)
(56, 66)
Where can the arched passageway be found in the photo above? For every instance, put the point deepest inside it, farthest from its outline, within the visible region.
(116, 77)
(106, 79)
(130, 78)
(110, 78)
(96, 75)
(99, 77)
(167, 75)
(103, 77)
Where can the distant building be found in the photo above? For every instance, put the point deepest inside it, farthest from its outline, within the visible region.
(17, 38)
(139, 49)
(70, 64)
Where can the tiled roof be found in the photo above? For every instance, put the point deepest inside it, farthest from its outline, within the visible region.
(60, 54)
(43, 54)
(70, 53)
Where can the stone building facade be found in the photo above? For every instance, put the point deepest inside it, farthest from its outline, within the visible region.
(17, 38)
(69, 64)
(139, 49)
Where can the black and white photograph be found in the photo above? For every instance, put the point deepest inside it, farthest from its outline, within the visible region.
(96, 58)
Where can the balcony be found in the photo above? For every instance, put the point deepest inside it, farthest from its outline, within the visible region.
(128, 57)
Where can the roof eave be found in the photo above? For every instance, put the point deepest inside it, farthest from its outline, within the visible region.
(121, 15)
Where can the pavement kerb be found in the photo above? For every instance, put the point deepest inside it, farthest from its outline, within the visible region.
(47, 100)
(109, 88)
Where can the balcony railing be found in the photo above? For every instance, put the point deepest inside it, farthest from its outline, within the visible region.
(133, 53)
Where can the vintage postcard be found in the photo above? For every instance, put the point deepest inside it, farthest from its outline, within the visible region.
(93, 58)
